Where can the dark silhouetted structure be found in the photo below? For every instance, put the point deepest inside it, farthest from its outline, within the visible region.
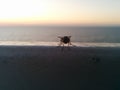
(65, 40)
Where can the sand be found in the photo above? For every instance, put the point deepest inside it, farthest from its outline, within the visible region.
(50, 68)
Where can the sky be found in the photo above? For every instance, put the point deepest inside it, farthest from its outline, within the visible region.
(60, 12)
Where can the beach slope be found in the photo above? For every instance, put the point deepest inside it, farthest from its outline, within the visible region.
(50, 68)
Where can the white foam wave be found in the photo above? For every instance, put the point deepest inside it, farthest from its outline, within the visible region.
(36, 43)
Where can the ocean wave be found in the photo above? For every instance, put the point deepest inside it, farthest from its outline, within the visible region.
(37, 43)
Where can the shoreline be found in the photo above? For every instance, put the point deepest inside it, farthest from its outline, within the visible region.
(77, 44)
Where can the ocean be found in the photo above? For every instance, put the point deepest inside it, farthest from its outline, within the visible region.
(47, 35)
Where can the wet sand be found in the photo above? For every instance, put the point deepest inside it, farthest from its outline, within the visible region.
(49, 68)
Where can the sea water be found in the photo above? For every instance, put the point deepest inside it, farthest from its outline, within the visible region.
(48, 35)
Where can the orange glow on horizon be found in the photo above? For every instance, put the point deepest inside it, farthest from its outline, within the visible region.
(50, 12)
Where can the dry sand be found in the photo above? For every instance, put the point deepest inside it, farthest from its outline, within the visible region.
(49, 68)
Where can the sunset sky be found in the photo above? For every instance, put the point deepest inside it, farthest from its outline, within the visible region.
(65, 12)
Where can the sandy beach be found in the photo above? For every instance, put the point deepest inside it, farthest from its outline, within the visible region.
(49, 68)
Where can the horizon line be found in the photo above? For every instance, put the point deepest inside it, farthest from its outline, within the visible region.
(59, 25)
